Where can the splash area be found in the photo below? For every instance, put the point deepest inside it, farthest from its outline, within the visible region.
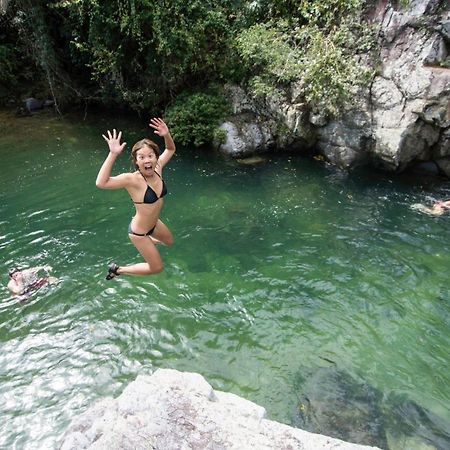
(320, 295)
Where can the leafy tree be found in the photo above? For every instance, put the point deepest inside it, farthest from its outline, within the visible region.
(142, 54)
(132, 52)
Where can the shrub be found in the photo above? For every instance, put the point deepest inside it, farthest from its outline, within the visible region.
(276, 54)
(194, 117)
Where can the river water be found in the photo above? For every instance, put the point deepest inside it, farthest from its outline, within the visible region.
(288, 280)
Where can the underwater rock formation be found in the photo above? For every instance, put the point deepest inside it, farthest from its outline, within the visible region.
(333, 403)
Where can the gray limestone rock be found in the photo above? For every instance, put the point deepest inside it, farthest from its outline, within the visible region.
(402, 117)
(408, 107)
(245, 136)
(444, 29)
(173, 410)
(442, 148)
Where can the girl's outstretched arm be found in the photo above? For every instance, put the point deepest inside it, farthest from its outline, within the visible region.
(104, 178)
(161, 129)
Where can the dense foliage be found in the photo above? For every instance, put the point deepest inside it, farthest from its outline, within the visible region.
(142, 55)
(194, 117)
(322, 59)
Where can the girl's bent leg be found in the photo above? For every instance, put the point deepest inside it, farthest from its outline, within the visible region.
(153, 262)
(136, 269)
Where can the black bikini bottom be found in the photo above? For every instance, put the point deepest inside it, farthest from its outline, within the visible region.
(149, 233)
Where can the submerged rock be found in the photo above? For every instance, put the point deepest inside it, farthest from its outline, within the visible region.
(174, 410)
(252, 160)
(412, 424)
(333, 403)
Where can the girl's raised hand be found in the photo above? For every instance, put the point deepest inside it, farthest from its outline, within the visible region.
(113, 141)
(161, 129)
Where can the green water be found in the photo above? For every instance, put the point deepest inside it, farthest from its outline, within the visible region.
(278, 271)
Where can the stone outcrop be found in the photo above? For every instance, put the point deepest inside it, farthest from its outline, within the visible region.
(174, 410)
(401, 118)
(411, 96)
(246, 135)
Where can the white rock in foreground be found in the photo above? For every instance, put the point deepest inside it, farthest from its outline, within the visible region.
(176, 410)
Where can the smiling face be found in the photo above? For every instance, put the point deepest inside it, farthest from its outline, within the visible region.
(145, 154)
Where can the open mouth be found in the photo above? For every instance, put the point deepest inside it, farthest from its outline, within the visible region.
(148, 167)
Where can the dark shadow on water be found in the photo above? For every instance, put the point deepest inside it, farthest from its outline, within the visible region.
(333, 403)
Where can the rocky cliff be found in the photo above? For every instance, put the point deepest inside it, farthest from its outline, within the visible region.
(400, 118)
(172, 410)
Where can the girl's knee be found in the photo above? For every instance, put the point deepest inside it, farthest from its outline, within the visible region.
(155, 268)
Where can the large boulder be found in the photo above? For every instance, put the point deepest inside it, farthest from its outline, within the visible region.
(245, 135)
(348, 142)
(257, 127)
(172, 410)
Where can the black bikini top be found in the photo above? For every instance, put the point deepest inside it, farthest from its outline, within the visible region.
(150, 195)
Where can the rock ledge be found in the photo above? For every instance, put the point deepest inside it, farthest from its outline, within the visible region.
(177, 410)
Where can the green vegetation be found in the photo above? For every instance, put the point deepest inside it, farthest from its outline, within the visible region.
(142, 55)
(194, 117)
(320, 54)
